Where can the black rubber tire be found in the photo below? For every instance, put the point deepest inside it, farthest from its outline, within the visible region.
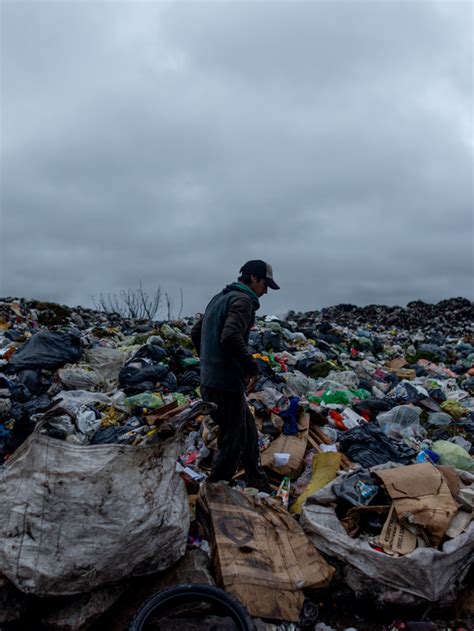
(179, 594)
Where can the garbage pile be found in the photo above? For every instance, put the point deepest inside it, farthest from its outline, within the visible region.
(365, 419)
(434, 319)
(89, 380)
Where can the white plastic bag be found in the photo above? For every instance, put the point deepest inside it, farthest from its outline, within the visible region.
(79, 377)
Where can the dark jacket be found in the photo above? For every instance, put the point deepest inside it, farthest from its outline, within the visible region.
(221, 337)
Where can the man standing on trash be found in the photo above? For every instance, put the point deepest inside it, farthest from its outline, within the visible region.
(228, 370)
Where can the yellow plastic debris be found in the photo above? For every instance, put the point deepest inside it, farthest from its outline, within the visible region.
(325, 468)
(454, 409)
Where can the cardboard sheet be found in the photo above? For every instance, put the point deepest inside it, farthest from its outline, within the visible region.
(427, 574)
(421, 496)
(294, 445)
(260, 553)
(395, 539)
(397, 363)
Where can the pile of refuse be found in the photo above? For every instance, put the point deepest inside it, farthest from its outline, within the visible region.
(365, 418)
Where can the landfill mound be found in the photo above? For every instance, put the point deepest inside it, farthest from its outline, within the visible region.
(448, 315)
(365, 418)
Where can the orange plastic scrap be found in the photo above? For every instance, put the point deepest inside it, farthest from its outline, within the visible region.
(9, 353)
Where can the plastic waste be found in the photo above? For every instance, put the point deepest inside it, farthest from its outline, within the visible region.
(144, 400)
(284, 491)
(188, 362)
(108, 435)
(358, 488)
(407, 392)
(369, 446)
(330, 432)
(427, 455)
(105, 361)
(73, 400)
(152, 351)
(462, 442)
(344, 396)
(402, 421)
(298, 384)
(139, 375)
(271, 398)
(290, 417)
(351, 419)
(5, 407)
(439, 418)
(346, 378)
(174, 334)
(49, 350)
(31, 379)
(324, 469)
(453, 455)
(59, 426)
(337, 396)
(454, 409)
(79, 378)
(87, 422)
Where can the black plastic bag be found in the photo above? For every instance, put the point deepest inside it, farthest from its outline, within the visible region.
(372, 407)
(358, 488)
(155, 352)
(138, 372)
(31, 379)
(271, 340)
(369, 446)
(49, 350)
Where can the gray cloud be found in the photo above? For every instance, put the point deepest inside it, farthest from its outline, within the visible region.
(169, 143)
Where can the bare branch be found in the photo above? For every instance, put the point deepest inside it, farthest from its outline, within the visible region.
(132, 303)
(168, 305)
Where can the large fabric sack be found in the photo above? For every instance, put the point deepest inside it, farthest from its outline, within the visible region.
(426, 574)
(77, 517)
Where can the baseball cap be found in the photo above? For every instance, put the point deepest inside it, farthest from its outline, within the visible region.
(261, 270)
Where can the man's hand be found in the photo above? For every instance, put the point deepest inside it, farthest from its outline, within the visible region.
(251, 382)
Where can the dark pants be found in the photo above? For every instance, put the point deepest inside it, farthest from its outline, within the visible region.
(237, 443)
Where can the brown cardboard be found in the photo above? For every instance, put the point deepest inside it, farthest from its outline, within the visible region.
(421, 496)
(261, 554)
(395, 539)
(405, 373)
(293, 445)
(397, 363)
(451, 477)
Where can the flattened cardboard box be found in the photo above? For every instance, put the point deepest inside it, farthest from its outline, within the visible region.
(293, 445)
(421, 496)
(261, 554)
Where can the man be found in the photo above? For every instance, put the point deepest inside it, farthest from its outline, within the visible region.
(228, 370)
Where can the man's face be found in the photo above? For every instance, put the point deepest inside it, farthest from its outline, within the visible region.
(258, 286)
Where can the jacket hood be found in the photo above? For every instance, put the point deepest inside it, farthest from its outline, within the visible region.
(245, 289)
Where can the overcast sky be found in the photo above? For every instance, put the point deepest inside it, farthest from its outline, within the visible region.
(168, 143)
